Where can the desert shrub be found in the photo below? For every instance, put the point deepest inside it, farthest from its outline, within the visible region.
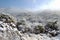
(17, 25)
(52, 25)
(52, 28)
(8, 18)
(20, 23)
(39, 29)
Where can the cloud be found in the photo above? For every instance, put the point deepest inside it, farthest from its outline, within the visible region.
(54, 5)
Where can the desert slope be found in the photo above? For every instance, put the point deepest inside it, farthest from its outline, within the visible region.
(28, 25)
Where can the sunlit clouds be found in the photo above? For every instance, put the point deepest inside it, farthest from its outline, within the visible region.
(53, 5)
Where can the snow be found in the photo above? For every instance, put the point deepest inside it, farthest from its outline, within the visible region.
(9, 31)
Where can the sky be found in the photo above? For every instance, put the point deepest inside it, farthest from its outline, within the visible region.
(53, 5)
(31, 4)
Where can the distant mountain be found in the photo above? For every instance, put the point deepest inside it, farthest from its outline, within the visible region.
(48, 14)
(45, 14)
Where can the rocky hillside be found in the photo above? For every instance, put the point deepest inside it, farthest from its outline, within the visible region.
(13, 29)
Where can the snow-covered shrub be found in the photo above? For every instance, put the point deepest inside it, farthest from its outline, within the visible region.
(52, 28)
(52, 25)
(6, 18)
(39, 29)
(18, 25)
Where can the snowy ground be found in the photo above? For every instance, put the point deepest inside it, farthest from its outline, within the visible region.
(23, 26)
